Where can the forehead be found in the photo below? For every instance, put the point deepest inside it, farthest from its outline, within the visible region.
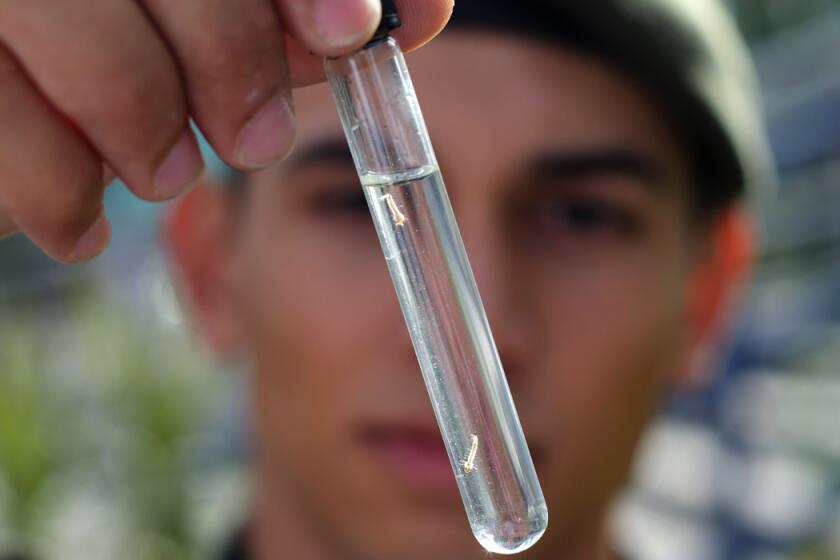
(486, 92)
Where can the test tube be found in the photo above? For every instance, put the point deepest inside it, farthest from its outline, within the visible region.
(425, 255)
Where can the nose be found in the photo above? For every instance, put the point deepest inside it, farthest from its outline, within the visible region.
(502, 283)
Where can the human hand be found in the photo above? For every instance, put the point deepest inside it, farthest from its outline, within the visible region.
(87, 87)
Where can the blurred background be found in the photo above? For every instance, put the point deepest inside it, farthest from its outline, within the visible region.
(120, 439)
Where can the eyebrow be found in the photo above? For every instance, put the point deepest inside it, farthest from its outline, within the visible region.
(582, 163)
(599, 161)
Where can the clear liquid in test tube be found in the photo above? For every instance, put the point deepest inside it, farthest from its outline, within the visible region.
(438, 296)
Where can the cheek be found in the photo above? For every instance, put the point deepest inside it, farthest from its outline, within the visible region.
(314, 312)
(612, 336)
(618, 351)
(611, 341)
(612, 313)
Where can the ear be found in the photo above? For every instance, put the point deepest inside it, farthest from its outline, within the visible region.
(198, 231)
(718, 283)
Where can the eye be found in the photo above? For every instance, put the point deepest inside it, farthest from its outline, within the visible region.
(584, 216)
(341, 201)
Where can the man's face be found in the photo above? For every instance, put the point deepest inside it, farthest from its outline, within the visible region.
(571, 196)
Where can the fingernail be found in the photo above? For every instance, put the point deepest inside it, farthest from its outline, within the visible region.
(93, 241)
(180, 169)
(341, 23)
(268, 136)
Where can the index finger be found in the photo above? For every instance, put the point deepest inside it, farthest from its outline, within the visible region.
(421, 21)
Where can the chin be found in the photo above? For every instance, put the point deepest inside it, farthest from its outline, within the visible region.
(421, 534)
(417, 546)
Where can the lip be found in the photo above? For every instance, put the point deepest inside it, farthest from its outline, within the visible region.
(413, 454)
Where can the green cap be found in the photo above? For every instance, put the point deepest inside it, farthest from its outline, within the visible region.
(687, 54)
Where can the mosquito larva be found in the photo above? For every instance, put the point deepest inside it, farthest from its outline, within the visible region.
(469, 464)
(396, 214)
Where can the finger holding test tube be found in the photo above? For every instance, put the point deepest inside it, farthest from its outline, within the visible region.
(437, 293)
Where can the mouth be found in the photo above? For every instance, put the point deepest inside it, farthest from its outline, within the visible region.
(413, 454)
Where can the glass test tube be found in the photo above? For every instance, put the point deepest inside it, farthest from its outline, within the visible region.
(439, 299)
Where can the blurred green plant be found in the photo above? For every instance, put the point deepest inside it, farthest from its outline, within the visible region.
(103, 411)
(29, 451)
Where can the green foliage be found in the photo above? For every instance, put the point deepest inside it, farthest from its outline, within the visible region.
(29, 451)
(101, 409)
